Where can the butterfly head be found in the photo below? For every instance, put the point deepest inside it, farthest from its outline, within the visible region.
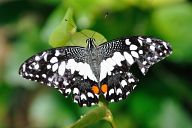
(90, 43)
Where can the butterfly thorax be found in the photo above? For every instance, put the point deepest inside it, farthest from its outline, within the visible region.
(92, 57)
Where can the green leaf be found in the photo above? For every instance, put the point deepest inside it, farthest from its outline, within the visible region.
(52, 22)
(160, 3)
(91, 117)
(65, 34)
(79, 38)
(63, 31)
(174, 23)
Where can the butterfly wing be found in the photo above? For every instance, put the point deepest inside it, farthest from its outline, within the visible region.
(119, 55)
(64, 69)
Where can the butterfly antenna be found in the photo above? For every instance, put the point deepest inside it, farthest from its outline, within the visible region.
(77, 29)
(93, 34)
(106, 15)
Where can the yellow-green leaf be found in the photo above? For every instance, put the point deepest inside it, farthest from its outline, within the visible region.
(63, 31)
(79, 38)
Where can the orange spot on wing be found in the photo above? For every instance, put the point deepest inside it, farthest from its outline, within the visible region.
(95, 89)
(104, 88)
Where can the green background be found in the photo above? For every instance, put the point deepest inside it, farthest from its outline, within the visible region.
(162, 99)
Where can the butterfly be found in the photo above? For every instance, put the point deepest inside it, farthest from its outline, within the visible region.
(89, 72)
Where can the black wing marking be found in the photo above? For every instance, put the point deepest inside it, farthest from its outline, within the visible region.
(64, 69)
(152, 51)
(146, 51)
(118, 56)
(120, 83)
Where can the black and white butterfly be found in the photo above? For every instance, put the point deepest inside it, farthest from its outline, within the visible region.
(88, 72)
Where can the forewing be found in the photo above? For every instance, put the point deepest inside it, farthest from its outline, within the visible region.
(65, 69)
(151, 51)
(146, 51)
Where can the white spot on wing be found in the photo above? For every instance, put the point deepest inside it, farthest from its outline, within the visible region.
(54, 60)
(83, 97)
(143, 70)
(149, 40)
(133, 47)
(140, 51)
(45, 57)
(117, 57)
(88, 72)
(103, 71)
(144, 62)
(119, 91)
(127, 42)
(37, 58)
(140, 42)
(165, 45)
(36, 66)
(55, 67)
(112, 100)
(152, 48)
(120, 98)
(130, 80)
(68, 90)
(127, 93)
(65, 83)
(48, 66)
(129, 58)
(50, 79)
(75, 91)
(60, 91)
(57, 53)
(61, 69)
(71, 65)
(44, 75)
(75, 101)
(89, 94)
(134, 54)
(123, 83)
(106, 68)
(84, 69)
(111, 91)
(24, 67)
(110, 61)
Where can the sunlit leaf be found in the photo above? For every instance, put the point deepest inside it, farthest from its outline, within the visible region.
(52, 22)
(160, 3)
(63, 31)
(65, 34)
(79, 38)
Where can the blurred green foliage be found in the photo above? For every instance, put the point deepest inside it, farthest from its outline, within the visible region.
(162, 98)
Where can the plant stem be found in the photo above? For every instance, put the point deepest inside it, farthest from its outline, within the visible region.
(109, 118)
(97, 114)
